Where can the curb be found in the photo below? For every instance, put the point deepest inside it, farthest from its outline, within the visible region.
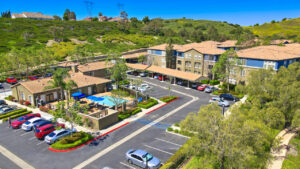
(161, 106)
(74, 148)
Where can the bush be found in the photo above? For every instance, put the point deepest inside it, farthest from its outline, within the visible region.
(10, 98)
(168, 98)
(12, 113)
(205, 81)
(176, 124)
(75, 140)
(214, 82)
(27, 103)
(43, 108)
(176, 131)
(148, 103)
(169, 129)
(123, 93)
(17, 115)
(231, 86)
(21, 101)
(128, 113)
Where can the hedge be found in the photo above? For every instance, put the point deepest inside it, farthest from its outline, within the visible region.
(148, 103)
(17, 115)
(12, 113)
(70, 142)
(205, 81)
(167, 99)
(214, 82)
(128, 113)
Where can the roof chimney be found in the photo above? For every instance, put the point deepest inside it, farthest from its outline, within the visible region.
(74, 68)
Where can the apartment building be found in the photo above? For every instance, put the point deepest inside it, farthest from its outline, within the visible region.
(198, 58)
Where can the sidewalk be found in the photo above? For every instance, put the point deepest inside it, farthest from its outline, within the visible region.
(279, 155)
(242, 101)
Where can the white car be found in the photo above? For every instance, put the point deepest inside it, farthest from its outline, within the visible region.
(144, 87)
(221, 102)
(28, 125)
(132, 86)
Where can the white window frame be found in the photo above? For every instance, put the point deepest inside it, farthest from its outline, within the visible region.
(268, 64)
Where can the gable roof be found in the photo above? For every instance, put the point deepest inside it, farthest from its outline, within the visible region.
(94, 66)
(37, 15)
(289, 51)
(37, 86)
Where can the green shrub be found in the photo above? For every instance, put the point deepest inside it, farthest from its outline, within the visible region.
(176, 124)
(10, 98)
(123, 93)
(170, 129)
(13, 113)
(128, 113)
(123, 116)
(17, 115)
(205, 81)
(176, 131)
(148, 103)
(214, 82)
(75, 140)
(168, 98)
(231, 86)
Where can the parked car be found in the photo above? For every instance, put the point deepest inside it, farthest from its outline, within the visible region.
(135, 73)
(161, 77)
(194, 86)
(181, 83)
(3, 106)
(33, 77)
(230, 97)
(56, 135)
(220, 101)
(28, 125)
(43, 131)
(2, 102)
(17, 123)
(48, 75)
(210, 89)
(143, 74)
(45, 122)
(142, 159)
(202, 87)
(132, 86)
(144, 87)
(1, 86)
(11, 80)
(6, 110)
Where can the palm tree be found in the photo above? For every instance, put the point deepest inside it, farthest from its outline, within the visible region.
(58, 81)
(69, 85)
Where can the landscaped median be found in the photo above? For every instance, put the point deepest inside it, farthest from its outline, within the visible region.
(167, 99)
(72, 141)
(147, 103)
(14, 114)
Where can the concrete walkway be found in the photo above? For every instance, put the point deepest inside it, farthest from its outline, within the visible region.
(242, 101)
(279, 154)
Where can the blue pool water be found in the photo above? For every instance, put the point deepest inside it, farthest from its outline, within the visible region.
(107, 100)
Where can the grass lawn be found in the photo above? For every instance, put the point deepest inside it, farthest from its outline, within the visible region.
(199, 163)
(293, 162)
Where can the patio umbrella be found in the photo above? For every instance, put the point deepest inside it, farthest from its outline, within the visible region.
(76, 94)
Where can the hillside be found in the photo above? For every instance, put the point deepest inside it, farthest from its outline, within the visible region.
(286, 29)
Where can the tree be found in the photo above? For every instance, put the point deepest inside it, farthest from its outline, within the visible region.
(123, 24)
(118, 70)
(100, 14)
(226, 66)
(6, 14)
(58, 81)
(95, 19)
(66, 16)
(72, 16)
(57, 33)
(170, 57)
(57, 17)
(142, 58)
(198, 36)
(69, 85)
(154, 27)
(146, 20)
(213, 33)
(116, 98)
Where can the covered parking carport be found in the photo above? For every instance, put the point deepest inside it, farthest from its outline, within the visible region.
(174, 74)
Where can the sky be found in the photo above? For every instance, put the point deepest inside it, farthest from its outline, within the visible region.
(242, 12)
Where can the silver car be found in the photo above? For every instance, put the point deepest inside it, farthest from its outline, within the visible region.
(28, 125)
(6, 110)
(142, 159)
(221, 102)
(210, 89)
(56, 135)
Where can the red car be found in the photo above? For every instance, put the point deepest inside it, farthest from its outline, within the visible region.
(202, 87)
(11, 80)
(41, 132)
(33, 77)
(17, 123)
(160, 77)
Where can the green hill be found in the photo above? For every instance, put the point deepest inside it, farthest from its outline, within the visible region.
(286, 29)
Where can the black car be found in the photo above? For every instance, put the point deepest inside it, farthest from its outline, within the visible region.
(1, 86)
(194, 85)
(2, 102)
(229, 97)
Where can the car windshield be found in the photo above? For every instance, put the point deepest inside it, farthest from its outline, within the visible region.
(11, 78)
(37, 130)
(51, 134)
(27, 122)
(148, 157)
(21, 119)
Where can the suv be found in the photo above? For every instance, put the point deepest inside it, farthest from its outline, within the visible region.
(229, 97)
(41, 132)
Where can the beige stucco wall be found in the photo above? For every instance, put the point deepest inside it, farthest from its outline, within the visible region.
(157, 60)
(101, 123)
(98, 73)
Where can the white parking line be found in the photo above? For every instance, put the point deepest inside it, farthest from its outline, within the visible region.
(127, 165)
(18, 161)
(41, 142)
(158, 149)
(168, 142)
(17, 130)
(31, 138)
(25, 133)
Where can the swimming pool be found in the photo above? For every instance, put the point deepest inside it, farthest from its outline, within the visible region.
(107, 100)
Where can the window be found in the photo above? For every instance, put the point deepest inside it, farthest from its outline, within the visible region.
(188, 64)
(158, 52)
(269, 64)
(211, 57)
(210, 66)
(91, 73)
(149, 51)
(30, 99)
(179, 62)
(197, 65)
(232, 72)
(163, 60)
(243, 61)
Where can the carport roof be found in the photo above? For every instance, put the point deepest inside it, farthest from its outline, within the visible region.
(175, 73)
(137, 66)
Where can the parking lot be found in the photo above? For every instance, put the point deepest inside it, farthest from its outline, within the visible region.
(153, 139)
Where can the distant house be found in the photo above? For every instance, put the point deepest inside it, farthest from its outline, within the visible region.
(88, 19)
(110, 19)
(32, 15)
